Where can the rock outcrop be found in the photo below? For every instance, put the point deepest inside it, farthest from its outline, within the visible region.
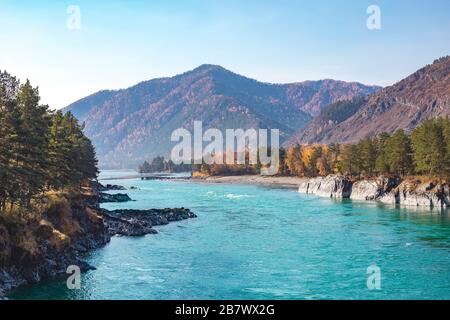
(118, 197)
(372, 189)
(387, 190)
(140, 222)
(40, 249)
(114, 187)
(97, 186)
(332, 186)
(421, 195)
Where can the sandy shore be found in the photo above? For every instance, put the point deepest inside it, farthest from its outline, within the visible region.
(270, 181)
(285, 182)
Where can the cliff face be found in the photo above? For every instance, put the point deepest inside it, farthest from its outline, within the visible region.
(424, 94)
(36, 248)
(413, 194)
(332, 186)
(388, 190)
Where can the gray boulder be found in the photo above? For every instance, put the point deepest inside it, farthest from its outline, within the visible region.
(365, 190)
(392, 197)
(410, 195)
(332, 186)
(374, 189)
(387, 190)
(311, 186)
(445, 197)
(118, 197)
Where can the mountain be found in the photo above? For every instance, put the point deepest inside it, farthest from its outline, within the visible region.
(321, 127)
(132, 125)
(424, 94)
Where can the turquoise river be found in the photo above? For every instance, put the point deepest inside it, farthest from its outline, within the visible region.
(253, 242)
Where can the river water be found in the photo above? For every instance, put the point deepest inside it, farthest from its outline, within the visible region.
(252, 242)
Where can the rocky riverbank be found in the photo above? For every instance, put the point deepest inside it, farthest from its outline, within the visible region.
(141, 222)
(33, 249)
(388, 190)
(118, 197)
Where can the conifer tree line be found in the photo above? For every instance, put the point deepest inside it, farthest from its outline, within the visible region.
(39, 149)
(425, 151)
(159, 164)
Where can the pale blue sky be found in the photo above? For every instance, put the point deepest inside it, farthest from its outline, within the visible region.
(124, 42)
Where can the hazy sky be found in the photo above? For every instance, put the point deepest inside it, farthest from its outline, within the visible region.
(121, 43)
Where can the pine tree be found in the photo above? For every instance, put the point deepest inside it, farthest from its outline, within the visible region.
(11, 144)
(399, 153)
(32, 159)
(71, 155)
(367, 156)
(88, 162)
(59, 148)
(350, 159)
(381, 162)
(9, 121)
(430, 148)
(38, 149)
(335, 150)
(446, 134)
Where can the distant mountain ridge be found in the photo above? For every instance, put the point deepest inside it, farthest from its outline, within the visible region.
(319, 128)
(424, 94)
(131, 125)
